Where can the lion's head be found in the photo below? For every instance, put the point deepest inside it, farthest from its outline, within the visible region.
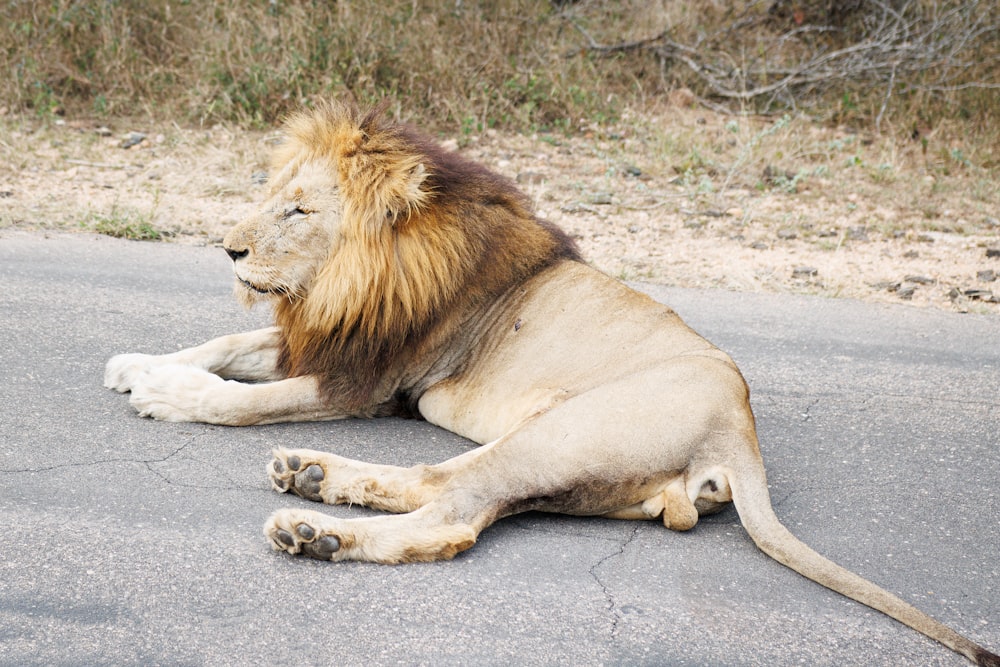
(370, 235)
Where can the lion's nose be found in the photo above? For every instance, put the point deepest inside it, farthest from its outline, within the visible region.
(236, 254)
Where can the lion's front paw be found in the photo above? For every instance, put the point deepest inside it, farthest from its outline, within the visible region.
(122, 370)
(177, 393)
(289, 471)
(303, 532)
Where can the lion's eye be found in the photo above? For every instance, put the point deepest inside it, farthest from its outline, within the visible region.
(296, 212)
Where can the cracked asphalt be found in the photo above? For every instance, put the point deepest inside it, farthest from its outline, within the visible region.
(128, 541)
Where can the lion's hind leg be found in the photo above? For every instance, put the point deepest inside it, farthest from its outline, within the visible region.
(418, 536)
(336, 480)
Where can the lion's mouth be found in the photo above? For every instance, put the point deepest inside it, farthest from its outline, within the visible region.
(253, 288)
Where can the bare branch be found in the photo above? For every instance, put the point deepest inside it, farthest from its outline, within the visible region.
(904, 47)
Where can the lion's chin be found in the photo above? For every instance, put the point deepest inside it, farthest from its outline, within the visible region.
(248, 295)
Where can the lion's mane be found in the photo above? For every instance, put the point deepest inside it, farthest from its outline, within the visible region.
(426, 236)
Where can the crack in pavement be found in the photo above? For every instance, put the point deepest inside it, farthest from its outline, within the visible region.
(148, 463)
(609, 596)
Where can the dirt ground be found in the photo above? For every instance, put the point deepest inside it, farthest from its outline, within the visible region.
(695, 199)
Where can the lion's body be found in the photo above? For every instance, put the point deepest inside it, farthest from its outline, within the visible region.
(408, 280)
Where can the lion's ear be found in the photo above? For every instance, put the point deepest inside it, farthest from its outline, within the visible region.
(382, 186)
(414, 193)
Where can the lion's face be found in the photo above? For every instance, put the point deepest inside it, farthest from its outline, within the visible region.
(279, 250)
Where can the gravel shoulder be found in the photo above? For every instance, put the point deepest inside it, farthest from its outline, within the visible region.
(693, 200)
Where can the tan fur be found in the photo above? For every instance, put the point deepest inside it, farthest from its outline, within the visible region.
(406, 279)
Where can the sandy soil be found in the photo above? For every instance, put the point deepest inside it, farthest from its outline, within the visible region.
(696, 200)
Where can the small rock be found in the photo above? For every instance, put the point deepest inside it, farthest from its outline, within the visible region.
(759, 245)
(992, 252)
(925, 238)
(103, 131)
(982, 295)
(987, 276)
(632, 170)
(804, 272)
(826, 233)
(133, 139)
(258, 178)
(920, 280)
(632, 229)
(787, 234)
(887, 285)
(6, 193)
(911, 254)
(906, 291)
(601, 198)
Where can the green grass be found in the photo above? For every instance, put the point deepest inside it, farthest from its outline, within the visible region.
(125, 223)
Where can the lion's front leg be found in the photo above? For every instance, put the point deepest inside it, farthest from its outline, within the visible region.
(335, 480)
(251, 356)
(189, 394)
(423, 535)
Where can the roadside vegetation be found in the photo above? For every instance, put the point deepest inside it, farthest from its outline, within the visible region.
(515, 64)
(831, 146)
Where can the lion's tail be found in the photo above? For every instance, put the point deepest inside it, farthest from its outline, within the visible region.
(753, 503)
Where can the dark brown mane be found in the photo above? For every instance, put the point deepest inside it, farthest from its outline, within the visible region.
(426, 233)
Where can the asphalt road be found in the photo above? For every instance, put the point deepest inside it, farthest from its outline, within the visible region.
(127, 541)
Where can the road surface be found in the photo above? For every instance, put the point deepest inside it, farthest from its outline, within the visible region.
(128, 541)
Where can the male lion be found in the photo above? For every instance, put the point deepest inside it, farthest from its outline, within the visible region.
(405, 279)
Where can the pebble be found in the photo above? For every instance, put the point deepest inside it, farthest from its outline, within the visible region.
(258, 177)
(920, 280)
(600, 198)
(987, 276)
(787, 234)
(804, 272)
(133, 139)
(982, 295)
(993, 252)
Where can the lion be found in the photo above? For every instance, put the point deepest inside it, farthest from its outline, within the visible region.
(407, 280)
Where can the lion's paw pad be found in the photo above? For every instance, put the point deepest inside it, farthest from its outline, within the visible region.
(296, 536)
(288, 472)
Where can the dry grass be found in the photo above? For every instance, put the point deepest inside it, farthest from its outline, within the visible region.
(516, 64)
